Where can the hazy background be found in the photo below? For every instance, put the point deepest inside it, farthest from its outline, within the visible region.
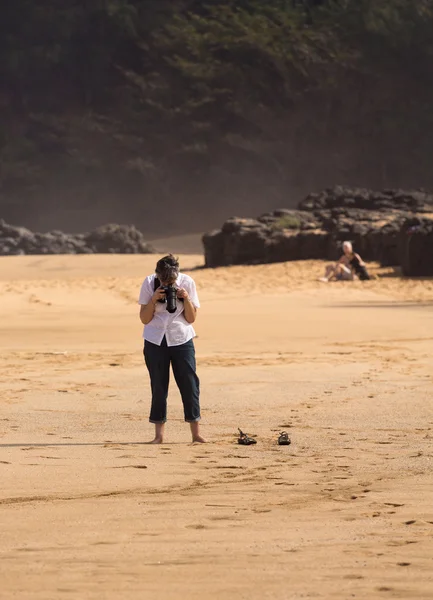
(176, 114)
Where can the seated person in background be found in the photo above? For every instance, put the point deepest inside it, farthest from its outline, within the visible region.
(349, 267)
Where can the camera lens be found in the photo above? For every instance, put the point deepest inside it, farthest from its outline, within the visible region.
(171, 297)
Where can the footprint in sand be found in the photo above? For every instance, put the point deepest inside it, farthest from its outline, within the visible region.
(229, 456)
(402, 543)
(130, 467)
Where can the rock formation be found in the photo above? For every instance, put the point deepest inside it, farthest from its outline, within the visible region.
(373, 221)
(416, 244)
(121, 239)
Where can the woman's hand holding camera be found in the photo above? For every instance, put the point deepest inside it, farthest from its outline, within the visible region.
(183, 294)
(159, 294)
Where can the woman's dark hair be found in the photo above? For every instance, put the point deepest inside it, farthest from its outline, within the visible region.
(167, 268)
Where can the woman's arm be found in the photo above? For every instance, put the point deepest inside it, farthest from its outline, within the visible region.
(148, 310)
(189, 310)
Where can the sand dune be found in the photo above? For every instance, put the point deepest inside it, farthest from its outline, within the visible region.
(87, 510)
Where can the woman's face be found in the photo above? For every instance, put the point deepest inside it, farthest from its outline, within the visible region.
(347, 250)
(165, 282)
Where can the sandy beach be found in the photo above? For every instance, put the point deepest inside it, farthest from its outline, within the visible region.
(89, 511)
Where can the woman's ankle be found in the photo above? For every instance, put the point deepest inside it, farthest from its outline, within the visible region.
(195, 432)
(159, 433)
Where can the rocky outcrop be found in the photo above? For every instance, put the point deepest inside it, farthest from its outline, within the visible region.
(416, 243)
(121, 239)
(371, 220)
(363, 199)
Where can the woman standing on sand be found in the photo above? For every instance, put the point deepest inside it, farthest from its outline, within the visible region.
(168, 339)
(349, 267)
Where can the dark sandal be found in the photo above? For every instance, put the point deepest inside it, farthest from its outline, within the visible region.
(245, 440)
(283, 439)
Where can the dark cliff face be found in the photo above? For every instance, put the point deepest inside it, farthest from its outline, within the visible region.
(177, 114)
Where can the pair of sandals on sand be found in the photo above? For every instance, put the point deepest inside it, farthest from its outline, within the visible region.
(246, 440)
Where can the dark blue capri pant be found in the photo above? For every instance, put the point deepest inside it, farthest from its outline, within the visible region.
(182, 360)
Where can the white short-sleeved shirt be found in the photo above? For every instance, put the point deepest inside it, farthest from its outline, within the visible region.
(174, 326)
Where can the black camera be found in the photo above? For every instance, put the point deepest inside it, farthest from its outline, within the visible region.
(170, 297)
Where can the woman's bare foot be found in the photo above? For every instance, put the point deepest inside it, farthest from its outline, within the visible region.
(195, 430)
(159, 434)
